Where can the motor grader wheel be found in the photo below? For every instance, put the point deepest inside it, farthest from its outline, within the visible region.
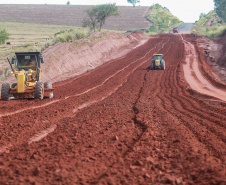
(39, 90)
(50, 86)
(5, 91)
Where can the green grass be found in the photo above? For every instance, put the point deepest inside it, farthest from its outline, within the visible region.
(28, 37)
(25, 37)
(71, 35)
(211, 15)
(163, 20)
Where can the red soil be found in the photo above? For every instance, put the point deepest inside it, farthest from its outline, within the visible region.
(120, 124)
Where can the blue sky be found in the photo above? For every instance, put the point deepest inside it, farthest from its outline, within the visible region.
(185, 10)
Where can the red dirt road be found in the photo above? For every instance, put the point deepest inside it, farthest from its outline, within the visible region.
(121, 124)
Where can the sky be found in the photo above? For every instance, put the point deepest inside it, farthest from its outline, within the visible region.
(186, 10)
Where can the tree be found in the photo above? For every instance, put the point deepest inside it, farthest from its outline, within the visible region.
(166, 9)
(3, 36)
(97, 15)
(220, 7)
(133, 2)
(202, 15)
(68, 3)
(92, 19)
(105, 11)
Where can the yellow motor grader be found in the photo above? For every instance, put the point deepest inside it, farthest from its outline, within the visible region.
(26, 68)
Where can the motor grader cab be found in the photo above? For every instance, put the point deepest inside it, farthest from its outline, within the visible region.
(26, 67)
(158, 62)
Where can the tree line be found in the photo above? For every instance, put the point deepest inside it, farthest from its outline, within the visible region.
(220, 7)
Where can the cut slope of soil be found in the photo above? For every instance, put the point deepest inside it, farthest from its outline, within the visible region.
(215, 52)
(66, 60)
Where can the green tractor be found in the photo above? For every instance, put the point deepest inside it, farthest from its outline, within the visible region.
(158, 62)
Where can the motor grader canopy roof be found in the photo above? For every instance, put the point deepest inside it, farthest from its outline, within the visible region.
(28, 53)
(158, 54)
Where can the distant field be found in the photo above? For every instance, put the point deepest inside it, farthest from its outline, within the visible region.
(132, 18)
(28, 37)
(32, 26)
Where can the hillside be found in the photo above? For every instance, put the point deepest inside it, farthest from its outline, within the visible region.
(211, 19)
(162, 19)
(210, 25)
(72, 15)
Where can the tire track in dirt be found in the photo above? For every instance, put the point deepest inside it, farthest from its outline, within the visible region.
(141, 125)
(76, 78)
(200, 127)
(169, 99)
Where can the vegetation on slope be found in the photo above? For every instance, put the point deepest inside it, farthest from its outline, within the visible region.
(70, 35)
(162, 19)
(210, 25)
(28, 37)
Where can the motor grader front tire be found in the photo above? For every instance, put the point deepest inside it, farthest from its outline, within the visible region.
(5, 91)
(39, 90)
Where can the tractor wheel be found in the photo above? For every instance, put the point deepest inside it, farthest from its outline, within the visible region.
(5, 91)
(152, 67)
(163, 65)
(49, 85)
(13, 85)
(39, 90)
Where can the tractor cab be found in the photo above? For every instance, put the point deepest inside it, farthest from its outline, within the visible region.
(158, 62)
(158, 56)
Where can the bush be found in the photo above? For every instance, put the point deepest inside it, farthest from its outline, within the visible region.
(70, 35)
(3, 36)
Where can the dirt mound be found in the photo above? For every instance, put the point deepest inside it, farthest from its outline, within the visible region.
(66, 60)
(215, 53)
(222, 60)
